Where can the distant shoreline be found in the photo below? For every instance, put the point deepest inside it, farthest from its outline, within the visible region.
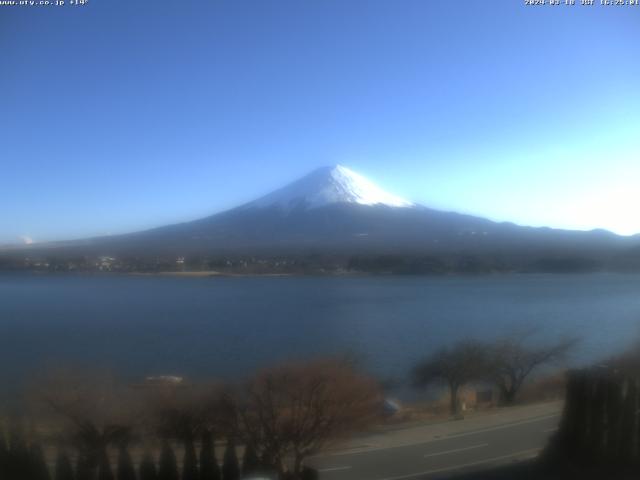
(334, 274)
(206, 274)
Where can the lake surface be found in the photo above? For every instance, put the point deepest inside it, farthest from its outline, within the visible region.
(227, 327)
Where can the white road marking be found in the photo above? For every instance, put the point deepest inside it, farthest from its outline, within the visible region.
(501, 427)
(455, 450)
(465, 465)
(333, 469)
(439, 439)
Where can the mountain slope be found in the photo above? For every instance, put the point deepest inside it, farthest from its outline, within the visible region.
(334, 211)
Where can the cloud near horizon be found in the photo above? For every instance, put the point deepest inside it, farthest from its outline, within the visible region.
(26, 239)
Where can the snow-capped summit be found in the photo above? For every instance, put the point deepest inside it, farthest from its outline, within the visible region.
(326, 186)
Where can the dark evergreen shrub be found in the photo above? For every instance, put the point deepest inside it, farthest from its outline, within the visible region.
(168, 468)
(18, 461)
(104, 467)
(230, 465)
(148, 468)
(125, 471)
(63, 468)
(85, 467)
(38, 464)
(190, 462)
(4, 455)
(266, 462)
(250, 461)
(629, 415)
(209, 469)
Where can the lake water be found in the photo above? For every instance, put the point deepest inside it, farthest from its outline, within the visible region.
(225, 327)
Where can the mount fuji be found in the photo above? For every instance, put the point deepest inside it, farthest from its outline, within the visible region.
(326, 186)
(336, 212)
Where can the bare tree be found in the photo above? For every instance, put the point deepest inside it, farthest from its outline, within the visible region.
(292, 411)
(455, 366)
(183, 413)
(513, 359)
(95, 412)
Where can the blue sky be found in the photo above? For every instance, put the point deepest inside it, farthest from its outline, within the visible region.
(122, 115)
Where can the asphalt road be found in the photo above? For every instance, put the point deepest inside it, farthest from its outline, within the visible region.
(478, 444)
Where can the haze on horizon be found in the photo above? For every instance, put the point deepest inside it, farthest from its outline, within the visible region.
(120, 116)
